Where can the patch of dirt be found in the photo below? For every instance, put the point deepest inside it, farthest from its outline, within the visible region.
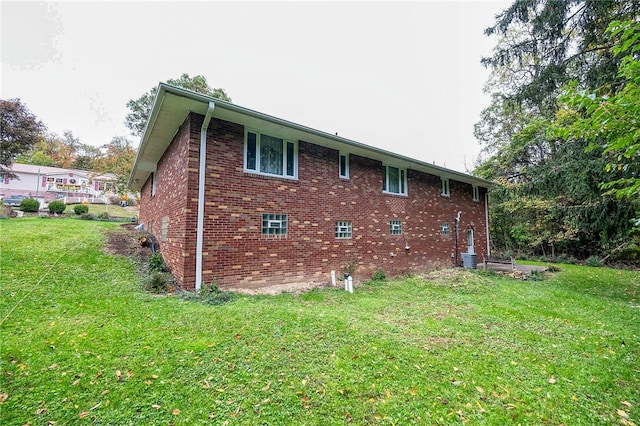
(272, 290)
(126, 242)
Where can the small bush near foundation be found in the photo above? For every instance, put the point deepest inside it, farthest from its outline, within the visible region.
(103, 216)
(158, 282)
(379, 275)
(30, 205)
(88, 216)
(80, 209)
(156, 263)
(57, 206)
(211, 294)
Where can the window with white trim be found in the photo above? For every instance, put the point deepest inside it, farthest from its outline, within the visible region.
(444, 228)
(274, 224)
(445, 189)
(164, 228)
(476, 193)
(395, 227)
(344, 165)
(269, 155)
(153, 183)
(394, 180)
(343, 229)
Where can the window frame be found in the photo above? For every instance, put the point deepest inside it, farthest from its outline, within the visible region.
(475, 193)
(445, 187)
(402, 180)
(164, 228)
(445, 228)
(344, 155)
(154, 183)
(343, 230)
(280, 218)
(397, 224)
(285, 155)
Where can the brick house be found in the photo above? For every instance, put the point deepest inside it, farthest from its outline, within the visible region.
(249, 200)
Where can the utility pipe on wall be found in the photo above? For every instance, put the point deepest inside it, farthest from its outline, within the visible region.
(201, 182)
(486, 221)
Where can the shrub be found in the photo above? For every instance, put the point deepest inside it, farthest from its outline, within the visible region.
(553, 268)
(563, 258)
(103, 216)
(594, 261)
(536, 276)
(87, 216)
(30, 205)
(57, 206)
(156, 263)
(379, 275)
(81, 209)
(212, 295)
(158, 282)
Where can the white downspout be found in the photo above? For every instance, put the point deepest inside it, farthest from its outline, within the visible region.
(486, 221)
(201, 188)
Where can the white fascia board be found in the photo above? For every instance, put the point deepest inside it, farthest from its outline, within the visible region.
(197, 102)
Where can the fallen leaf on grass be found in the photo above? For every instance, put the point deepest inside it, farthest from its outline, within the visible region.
(175, 412)
(627, 403)
(479, 389)
(156, 406)
(267, 386)
(552, 380)
(3, 397)
(623, 414)
(83, 414)
(41, 410)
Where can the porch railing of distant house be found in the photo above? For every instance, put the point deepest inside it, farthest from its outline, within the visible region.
(90, 200)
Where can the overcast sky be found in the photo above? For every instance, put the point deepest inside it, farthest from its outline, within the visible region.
(405, 77)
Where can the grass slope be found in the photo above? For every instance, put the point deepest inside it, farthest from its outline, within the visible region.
(81, 343)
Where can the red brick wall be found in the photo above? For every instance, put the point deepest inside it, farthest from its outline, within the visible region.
(236, 254)
(173, 180)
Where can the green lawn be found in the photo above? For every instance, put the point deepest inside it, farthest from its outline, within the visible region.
(82, 343)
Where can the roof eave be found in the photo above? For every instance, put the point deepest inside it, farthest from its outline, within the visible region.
(198, 103)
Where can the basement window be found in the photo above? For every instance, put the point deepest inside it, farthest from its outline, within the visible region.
(270, 155)
(274, 224)
(395, 227)
(343, 230)
(164, 228)
(444, 228)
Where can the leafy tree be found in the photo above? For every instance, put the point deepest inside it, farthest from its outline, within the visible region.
(612, 120)
(551, 198)
(117, 158)
(559, 40)
(140, 108)
(19, 131)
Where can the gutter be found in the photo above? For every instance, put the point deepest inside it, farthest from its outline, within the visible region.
(201, 188)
